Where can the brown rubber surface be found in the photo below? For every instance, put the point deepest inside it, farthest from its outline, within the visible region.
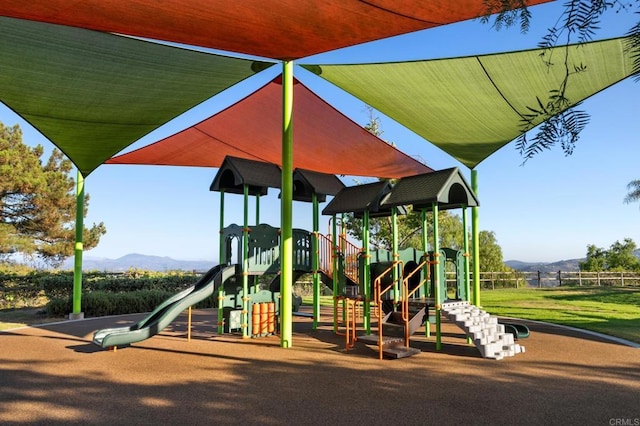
(53, 374)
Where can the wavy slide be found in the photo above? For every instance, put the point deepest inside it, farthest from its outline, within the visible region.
(164, 314)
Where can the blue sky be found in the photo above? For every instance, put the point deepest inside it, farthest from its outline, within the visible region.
(549, 209)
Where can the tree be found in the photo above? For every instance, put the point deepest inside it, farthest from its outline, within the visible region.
(634, 192)
(38, 203)
(595, 261)
(578, 23)
(491, 253)
(619, 257)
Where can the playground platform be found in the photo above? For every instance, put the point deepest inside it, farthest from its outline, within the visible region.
(54, 374)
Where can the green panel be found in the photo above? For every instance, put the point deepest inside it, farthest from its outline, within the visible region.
(92, 94)
(472, 106)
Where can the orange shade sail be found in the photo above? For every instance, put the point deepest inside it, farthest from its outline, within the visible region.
(279, 29)
(325, 140)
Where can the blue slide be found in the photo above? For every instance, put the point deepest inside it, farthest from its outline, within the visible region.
(164, 314)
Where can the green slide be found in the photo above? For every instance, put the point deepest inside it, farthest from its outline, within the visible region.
(164, 314)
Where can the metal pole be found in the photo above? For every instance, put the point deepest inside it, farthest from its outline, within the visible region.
(245, 266)
(77, 263)
(438, 297)
(475, 230)
(366, 273)
(222, 261)
(465, 228)
(394, 249)
(315, 250)
(286, 252)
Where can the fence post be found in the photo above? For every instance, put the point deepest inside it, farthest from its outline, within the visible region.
(622, 279)
(559, 278)
(539, 280)
(598, 277)
(580, 278)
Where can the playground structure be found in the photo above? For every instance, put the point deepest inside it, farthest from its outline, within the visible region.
(397, 290)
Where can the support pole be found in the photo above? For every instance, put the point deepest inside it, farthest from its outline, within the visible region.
(465, 241)
(315, 250)
(438, 297)
(334, 260)
(475, 230)
(245, 267)
(286, 252)
(394, 249)
(76, 312)
(221, 261)
(366, 273)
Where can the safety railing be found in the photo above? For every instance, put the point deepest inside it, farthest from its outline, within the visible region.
(378, 292)
(407, 293)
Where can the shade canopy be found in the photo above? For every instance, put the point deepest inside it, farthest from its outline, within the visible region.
(279, 29)
(325, 140)
(92, 94)
(472, 106)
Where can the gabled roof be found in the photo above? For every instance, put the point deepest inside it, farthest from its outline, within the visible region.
(234, 173)
(279, 29)
(447, 188)
(307, 182)
(358, 199)
(93, 94)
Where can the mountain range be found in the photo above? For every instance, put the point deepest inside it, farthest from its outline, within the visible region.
(164, 263)
(140, 261)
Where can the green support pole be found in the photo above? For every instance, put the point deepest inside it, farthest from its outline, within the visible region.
(465, 228)
(245, 266)
(475, 229)
(424, 292)
(335, 273)
(286, 252)
(438, 298)
(77, 264)
(465, 231)
(315, 250)
(366, 278)
(222, 261)
(394, 250)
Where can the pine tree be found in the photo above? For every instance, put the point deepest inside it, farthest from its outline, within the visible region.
(38, 203)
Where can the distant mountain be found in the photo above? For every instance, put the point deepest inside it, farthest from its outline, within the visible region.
(561, 265)
(140, 261)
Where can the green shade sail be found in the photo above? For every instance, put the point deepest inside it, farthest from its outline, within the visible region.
(92, 94)
(472, 106)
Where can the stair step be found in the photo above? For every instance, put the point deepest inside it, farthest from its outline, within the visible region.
(400, 352)
(387, 341)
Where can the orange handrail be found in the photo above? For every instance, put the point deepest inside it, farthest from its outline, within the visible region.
(406, 295)
(378, 298)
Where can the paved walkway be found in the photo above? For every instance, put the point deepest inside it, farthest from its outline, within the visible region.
(53, 374)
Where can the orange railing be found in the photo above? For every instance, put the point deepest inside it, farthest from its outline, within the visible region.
(378, 292)
(349, 250)
(406, 295)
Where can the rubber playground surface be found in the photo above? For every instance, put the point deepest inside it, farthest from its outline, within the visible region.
(53, 374)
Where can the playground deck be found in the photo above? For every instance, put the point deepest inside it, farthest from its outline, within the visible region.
(53, 374)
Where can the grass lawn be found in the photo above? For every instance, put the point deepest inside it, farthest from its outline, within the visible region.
(609, 310)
